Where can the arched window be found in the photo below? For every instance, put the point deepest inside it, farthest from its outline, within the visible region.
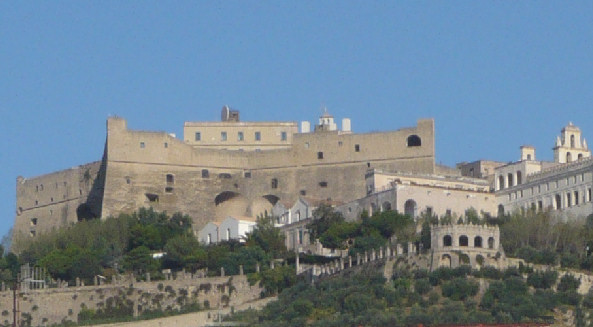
(572, 145)
(500, 210)
(580, 156)
(558, 202)
(463, 241)
(445, 261)
(414, 140)
(491, 242)
(500, 182)
(568, 157)
(410, 208)
(478, 242)
(447, 240)
(386, 206)
(510, 179)
(518, 177)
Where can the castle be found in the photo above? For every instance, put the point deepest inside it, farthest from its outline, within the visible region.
(233, 168)
(219, 169)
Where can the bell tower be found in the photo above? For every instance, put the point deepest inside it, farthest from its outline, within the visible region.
(569, 146)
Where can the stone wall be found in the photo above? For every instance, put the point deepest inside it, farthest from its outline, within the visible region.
(49, 306)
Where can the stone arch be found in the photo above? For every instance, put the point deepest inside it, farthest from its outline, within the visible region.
(271, 198)
(568, 157)
(572, 142)
(230, 203)
(225, 196)
(500, 210)
(85, 212)
(558, 202)
(262, 206)
(464, 259)
(478, 241)
(414, 140)
(500, 182)
(519, 181)
(580, 156)
(410, 208)
(463, 240)
(479, 260)
(447, 240)
(491, 242)
(510, 179)
(386, 206)
(445, 261)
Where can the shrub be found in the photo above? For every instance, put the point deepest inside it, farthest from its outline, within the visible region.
(460, 289)
(568, 283)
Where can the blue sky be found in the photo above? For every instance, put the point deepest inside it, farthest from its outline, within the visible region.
(494, 75)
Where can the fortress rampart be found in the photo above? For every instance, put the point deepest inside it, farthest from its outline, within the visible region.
(155, 169)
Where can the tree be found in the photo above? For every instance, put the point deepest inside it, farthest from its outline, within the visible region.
(267, 237)
(323, 217)
(140, 260)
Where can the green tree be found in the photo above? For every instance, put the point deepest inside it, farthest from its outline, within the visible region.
(267, 237)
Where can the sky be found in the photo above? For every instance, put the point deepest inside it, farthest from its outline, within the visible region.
(493, 74)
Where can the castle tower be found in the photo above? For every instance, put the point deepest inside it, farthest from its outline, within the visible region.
(527, 152)
(326, 122)
(569, 147)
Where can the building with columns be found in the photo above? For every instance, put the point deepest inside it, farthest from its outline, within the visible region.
(563, 185)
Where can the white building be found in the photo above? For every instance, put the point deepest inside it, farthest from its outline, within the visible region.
(414, 194)
(563, 185)
(231, 228)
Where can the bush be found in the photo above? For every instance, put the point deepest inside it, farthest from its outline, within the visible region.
(422, 286)
(460, 289)
(568, 283)
(542, 279)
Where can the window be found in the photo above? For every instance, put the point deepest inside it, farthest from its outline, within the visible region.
(283, 136)
(142, 145)
(274, 183)
(33, 221)
(258, 136)
(198, 136)
(306, 145)
(152, 197)
(356, 147)
(323, 184)
(303, 192)
(319, 155)
(576, 198)
(340, 143)
(166, 145)
(477, 242)
(240, 136)
(540, 205)
(429, 211)
(247, 174)
(32, 233)
(447, 240)
(209, 241)
(205, 173)
(170, 179)
(463, 240)
(448, 212)
(223, 136)
(589, 195)
(568, 200)
(228, 234)
(414, 140)
(168, 189)
(301, 236)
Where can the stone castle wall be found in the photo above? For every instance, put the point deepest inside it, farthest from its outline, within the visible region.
(51, 306)
(211, 183)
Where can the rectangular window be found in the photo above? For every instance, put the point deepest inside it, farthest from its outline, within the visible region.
(223, 136)
(429, 211)
(240, 136)
(448, 212)
(205, 173)
(142, 145)
(283, 136)
(258, 136)
(319, 155)
(576, 198)
(540, 205)
(300, 237)
(589, 195)
(198, 136)
(247, 174)
(356, 147)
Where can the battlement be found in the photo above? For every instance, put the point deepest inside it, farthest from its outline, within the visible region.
(561, 168)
